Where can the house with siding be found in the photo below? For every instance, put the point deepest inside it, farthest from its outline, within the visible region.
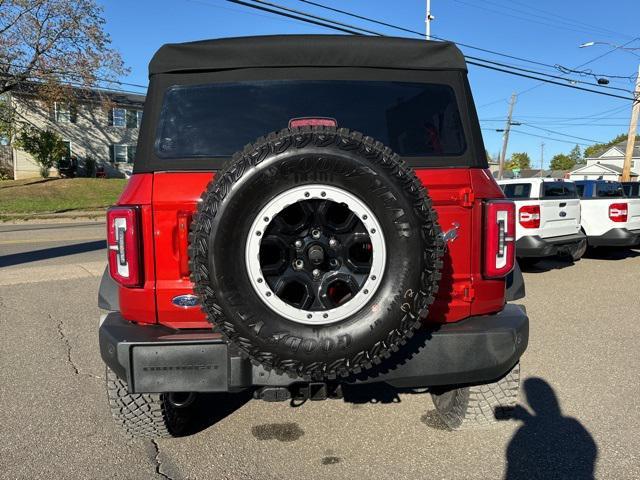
(608, 164)
(95, 124)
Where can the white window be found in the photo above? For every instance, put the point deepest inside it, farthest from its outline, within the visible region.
(118, 117)
(134, 117)
(119, 153)
(64, 113)
(123, 153)
(123, 117)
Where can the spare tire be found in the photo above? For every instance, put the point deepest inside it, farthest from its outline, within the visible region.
(316, 252)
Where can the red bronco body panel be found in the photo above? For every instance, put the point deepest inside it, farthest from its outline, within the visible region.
(168, 200)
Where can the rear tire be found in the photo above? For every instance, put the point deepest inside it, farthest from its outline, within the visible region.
(578, 253)
(478, 405)
(145, 415)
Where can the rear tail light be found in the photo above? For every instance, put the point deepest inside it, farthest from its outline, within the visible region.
(529, 216)
(499, 238)
(618, 212)
(123, 242)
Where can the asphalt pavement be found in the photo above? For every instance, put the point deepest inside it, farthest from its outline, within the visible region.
(580, 405)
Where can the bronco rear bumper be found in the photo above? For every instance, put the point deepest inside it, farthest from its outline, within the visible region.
(156, 359)
(536, 246)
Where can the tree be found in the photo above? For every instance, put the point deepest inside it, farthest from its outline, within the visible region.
(7, 123)
(562, 162)
(576, 155)
(46, 147)
(598, 148)
(519, 160)
(53, 42)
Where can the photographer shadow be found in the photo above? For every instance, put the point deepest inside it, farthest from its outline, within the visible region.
(548, 444)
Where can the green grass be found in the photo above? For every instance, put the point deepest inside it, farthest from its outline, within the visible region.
(55, 195)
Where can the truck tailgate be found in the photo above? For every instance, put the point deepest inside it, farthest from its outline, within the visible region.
(559, 217)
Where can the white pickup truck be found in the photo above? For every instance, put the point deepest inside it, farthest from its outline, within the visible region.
(547, 217)
(609, 217)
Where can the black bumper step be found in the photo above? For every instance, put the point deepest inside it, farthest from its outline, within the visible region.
(153, 358)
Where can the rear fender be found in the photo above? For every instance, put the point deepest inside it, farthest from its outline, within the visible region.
(515, 285)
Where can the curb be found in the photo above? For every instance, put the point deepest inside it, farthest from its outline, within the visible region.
(54, 217)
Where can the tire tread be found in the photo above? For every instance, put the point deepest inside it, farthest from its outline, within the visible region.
(140, 415)
(479, 405)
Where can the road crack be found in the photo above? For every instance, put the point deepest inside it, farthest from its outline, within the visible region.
(158, 462)
(67, 345)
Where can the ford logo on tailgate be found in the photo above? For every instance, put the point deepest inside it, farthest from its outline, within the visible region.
(186, 301)
(563, 214)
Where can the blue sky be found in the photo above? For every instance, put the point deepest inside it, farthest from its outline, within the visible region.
(545, 31)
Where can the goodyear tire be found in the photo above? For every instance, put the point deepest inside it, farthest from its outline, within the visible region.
(475, 406)
(146, 415)
(316, 252)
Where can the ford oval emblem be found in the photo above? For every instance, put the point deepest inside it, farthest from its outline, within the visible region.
(563, 214)
(186, 301)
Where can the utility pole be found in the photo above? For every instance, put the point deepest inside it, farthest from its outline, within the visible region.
(505, 136)
(428, 19)
(541, 156)
(633, 128)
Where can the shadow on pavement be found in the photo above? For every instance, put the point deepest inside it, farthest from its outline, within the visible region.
(54, 252)
(210, 408)
(611, 253)
(371, 393)
(541, 265)
(548, 444)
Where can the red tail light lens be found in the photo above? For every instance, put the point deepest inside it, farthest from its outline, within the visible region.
(312, 122)
(123, 242)
(618, 212)
(499, 238)
(529, 216)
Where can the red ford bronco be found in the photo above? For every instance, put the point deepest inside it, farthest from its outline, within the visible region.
(309, 214)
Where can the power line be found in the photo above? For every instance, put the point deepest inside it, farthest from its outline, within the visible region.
(550, 138)
(540, 73)
(565, 125)
(420, 34)
(557, 25)
(296, 17)
(588, 25)
(539, 136)
(71, 75)
(482, 65)
(81, 85)
(582, 64)
(316, 17)
(242, 11)
(556, 67)
(560, 133)
(576, 87)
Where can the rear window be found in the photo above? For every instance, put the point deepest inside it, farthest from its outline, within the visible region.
(631, 189)
(559, 190)
(609, 190)
(516, 190)
(215, 120)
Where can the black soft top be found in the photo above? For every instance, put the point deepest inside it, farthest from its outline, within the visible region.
(306, 51)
